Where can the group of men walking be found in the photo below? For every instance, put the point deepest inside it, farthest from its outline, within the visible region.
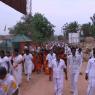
(58, 66)
(60, 59)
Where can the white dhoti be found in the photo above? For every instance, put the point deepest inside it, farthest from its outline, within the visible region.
(29, 69)
(58, 83)
(28, 65)
(25, 68)
(58, 76)
(91, 87)
(74, 81)
(74, 63)
(90, 71)
(18, 74)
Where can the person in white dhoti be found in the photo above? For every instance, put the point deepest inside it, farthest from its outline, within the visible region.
(51, 56)
(80, 53)
(28, 64)
(74, 62)
(67, 50)
(17, 66)
(58, 66)
(8, 57)
(90, 75)
(4, 61)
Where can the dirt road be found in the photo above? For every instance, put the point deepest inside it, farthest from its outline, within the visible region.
(39, 85)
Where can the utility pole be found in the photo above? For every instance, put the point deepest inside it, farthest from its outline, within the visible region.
(29, 7)
(29, 15)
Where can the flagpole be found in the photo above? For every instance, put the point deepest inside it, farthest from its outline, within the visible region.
(4, 28)
(29, 7)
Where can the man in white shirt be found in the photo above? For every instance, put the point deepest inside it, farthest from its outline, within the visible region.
(90, 75)
(28, 64)
(17, 66)
(74, 62)
(51, 56)
(58, 66)
(67, 50)
(80, 53)
(8, 85)
(8, 57)
(4, 61)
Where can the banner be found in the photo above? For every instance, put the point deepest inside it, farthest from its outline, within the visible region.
(19, 5)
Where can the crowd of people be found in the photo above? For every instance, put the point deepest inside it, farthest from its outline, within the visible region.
(55, 59)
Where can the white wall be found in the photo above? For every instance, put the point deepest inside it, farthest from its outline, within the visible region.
(74, 38)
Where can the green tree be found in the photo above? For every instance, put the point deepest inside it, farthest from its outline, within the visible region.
(60, 37)
(43, 27)
(22, 27)
(70, 28)
(93, 25)
(93, 31)
(86, 28)
(37, 27)
(93, 19)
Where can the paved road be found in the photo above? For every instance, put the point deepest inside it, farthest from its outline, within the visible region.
(39, 85)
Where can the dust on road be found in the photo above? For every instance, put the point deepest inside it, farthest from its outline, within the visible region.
(39, 85)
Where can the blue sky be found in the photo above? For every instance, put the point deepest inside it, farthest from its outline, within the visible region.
(58, 12)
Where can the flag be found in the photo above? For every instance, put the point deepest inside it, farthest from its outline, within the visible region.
(19, 5)
(5, 28)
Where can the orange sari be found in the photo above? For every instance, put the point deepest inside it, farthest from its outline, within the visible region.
(38, 62)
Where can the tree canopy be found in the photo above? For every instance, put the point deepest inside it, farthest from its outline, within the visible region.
(93, 19)
(88, 29)
(37, 27)
(70, 28)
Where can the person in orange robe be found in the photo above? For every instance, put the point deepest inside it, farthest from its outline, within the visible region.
(34, 61)
(38, 63)
(46, 69)
(63, 55)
